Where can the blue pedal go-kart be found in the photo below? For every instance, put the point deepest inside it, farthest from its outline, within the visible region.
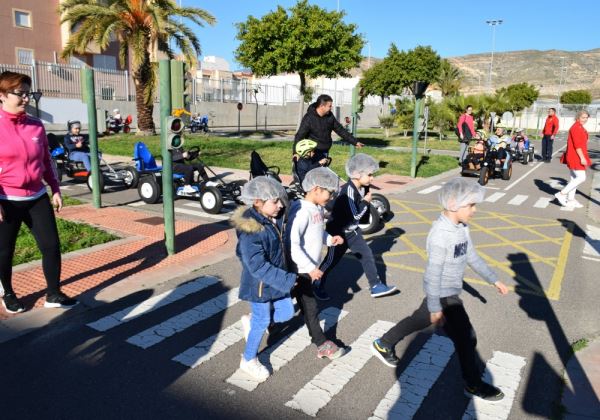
(211, 194)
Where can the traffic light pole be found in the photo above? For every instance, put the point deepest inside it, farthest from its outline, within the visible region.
(90, 99)
(167, 163)
(413, 160)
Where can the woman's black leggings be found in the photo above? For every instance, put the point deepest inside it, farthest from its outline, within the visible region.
(38, 215)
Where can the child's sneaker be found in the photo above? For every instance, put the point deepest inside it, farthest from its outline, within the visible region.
(246, 326)
(254, 368)
(561, 198)
(484, 391)
(59, 300)
(385, 354)
(329, 350)
(381, 289)
(12, 304)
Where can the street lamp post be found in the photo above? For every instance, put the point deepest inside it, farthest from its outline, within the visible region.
(493, 23)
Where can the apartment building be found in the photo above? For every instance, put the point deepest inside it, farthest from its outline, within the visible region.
(31, 31)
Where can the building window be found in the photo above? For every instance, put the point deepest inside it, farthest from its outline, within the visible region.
(107, 62)
(22, 18)
(24, 56)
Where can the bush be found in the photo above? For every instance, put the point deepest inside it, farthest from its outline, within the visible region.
(387, 122)
(576, 97)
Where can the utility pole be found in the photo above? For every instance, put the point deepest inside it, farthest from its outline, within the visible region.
(493, 23)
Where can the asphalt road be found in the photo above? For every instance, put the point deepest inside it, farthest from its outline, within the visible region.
(176, 355)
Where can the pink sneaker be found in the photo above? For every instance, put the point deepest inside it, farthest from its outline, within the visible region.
(329, 350)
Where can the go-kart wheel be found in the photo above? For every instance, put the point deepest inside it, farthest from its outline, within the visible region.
(149, 190)
(126, 129)
(371, 222)
(131, 177)
(531, 153)
(484, 175)
(58, 169)
(193, 153)
(211, 200)
(381, 204)
(507, 173)
(193, 128)
(89, 182)
(525, 160)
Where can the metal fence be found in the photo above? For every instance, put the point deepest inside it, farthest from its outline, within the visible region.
(64, 81)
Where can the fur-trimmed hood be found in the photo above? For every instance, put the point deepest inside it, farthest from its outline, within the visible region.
(247, 220)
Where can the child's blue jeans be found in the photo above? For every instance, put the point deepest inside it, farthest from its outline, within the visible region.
(283, 310)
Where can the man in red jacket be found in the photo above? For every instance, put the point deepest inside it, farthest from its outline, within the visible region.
(550, 130)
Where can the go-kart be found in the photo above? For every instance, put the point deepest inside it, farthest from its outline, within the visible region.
(211, 194)
(114, 125)
(199, 124)
(522, 151)
(495, 162)
(378, 212)
(127, 176)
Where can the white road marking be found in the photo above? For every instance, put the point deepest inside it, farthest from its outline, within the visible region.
(151, 304)
(526, 175)
(404, 398)
(201, 214)
(430, 189)
(518, 199)
(281, 353)
(566, 208)
(543, 202)
(504, 371)
(584, 257)
(495, 197)
(178, 323)
(137, 204)
(592, 241)
(317, 393)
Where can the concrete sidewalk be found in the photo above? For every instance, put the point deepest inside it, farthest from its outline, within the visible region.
(581, 397)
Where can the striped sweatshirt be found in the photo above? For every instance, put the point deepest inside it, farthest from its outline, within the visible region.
(449, 251)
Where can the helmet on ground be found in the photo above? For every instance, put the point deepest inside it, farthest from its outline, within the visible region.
(303, 147)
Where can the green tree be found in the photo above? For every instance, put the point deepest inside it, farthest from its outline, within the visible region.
(519, 96)
(449, 79)
(387, 122)
(142, 27)
(420, 64)
(441, 117)
(308, 40)
(576, 97)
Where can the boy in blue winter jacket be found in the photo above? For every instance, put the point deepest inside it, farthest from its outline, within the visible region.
(265, 282)
(350, 206)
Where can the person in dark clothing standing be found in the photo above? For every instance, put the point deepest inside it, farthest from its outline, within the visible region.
(548, 134)
(317, 125)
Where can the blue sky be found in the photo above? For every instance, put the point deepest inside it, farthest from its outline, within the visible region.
(452, 28)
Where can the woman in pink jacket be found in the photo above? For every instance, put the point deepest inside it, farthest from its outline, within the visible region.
(577, 160)
(24, 164)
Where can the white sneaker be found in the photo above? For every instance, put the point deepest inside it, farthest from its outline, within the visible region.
(254, 368)
(561, 198)
(211, 184)
(246, 325)
(188, 189)
(574, 203)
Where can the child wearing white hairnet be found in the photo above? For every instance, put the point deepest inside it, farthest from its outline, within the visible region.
(305, 236)
(351, 205)
(266, 281)
(449, 251)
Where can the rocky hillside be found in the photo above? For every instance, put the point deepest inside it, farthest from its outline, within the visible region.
(580, 70)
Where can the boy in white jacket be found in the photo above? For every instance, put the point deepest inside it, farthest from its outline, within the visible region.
(305, 236)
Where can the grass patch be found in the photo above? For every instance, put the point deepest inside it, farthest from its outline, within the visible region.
(235, 153)
(579, 345)
(73, 236)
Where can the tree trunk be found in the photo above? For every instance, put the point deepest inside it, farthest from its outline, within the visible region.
(301, 101)
(143, 79)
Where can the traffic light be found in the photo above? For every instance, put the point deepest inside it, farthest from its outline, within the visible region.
(175, 134)
(181, 85)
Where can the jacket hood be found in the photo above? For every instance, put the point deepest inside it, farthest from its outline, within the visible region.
(247, 220)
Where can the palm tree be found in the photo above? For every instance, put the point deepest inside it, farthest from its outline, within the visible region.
(142, 27)
(449, 79)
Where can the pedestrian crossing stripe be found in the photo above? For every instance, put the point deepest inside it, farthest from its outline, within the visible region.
(504, 371)
(405, 397)
(430, 189)
(592, 241)
(317, 393)
(495, 197)
(178, 323)
(543, 202)
(153, 303)
(518, 199)
(282, 352)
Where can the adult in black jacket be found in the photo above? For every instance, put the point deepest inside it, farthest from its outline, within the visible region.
(317, 125)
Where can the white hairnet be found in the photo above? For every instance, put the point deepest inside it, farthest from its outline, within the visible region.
(262, 188)
(321, 177)
(460, 192)
(361, 164)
